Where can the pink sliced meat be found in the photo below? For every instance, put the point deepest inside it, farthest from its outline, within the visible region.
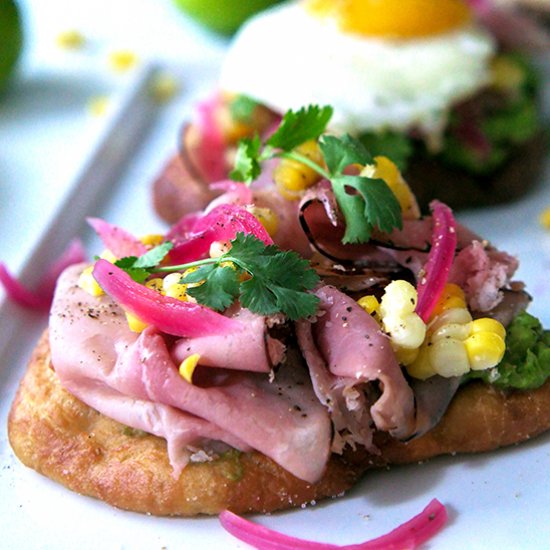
(482, 271)
(92, 347)
(354, 352)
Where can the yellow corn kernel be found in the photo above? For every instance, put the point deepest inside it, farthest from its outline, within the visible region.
(406, 331)
(134, 323)
(399, 297)
(459, 331)
(485, 350)
(486, 324)
(451, 297)
(70, 40)
(421, 367)
(122, 60)
(87, 282)
(219, 248)
(406, 356)
(152, 239)
(171, 279)
(386, 170)
(267, 217)
(371, 305)
(544, 218)
(294, 176)
(109, 256)
(188, 366)
(448, 357)
(177, 291)
(191, 270)
(456, 315)
(155, 284)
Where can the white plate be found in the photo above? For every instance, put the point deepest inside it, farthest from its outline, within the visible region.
(497, 500)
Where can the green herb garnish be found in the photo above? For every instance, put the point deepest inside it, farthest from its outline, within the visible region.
(242, 108)
(265, 279)
(366, 203)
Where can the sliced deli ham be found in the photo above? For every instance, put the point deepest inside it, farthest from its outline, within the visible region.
(345, 350)
(95, 354)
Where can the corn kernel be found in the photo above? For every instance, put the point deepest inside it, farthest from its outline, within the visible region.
(122, 60)
(109, 256)
(155, 284)
(87, 282)
(219, 248)
(152, 239)
(486, 324)
(400, 297)
(421, 367)
(448, 357)
(177, 291)
(295, 177)
(459, 331)
(406, 356)
(544, 218)
(386, 170)
(406, 331)
(70, 40)
(369, 303)
(485, 350)
(134, 323)
(452, 297)
(171, 279)
(456, 315)
(267, 217)
(188, 366)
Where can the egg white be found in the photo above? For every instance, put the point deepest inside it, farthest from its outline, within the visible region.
(286, 58)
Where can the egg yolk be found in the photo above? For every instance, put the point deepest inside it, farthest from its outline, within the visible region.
(393, 18)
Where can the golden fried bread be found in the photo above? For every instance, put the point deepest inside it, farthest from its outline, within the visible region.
(59, 436)
(56, 434)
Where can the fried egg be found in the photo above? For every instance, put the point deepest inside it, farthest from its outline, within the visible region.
(381, 64)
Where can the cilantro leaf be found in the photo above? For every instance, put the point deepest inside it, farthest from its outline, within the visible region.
(339, 153)
(220, 287)
(395, 145)
(154, 256)
(300, 126)
(247, 160)
(366, 203)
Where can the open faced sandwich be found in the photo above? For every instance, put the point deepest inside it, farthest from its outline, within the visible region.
(269, 349)
(439, 87)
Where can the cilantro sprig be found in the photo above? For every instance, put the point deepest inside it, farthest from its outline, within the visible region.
(366, 203)
(265, 279)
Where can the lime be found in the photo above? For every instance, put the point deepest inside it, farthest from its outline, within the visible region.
(222, 16)
(11, 39)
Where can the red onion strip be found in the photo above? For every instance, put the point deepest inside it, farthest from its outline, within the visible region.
(440, 259)
(211, 149)
(185, 319)
(221, 224)
(41, 297)
(409, 535)
(117, 240)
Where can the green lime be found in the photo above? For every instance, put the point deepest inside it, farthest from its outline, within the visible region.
(222, 16)
(11, 39)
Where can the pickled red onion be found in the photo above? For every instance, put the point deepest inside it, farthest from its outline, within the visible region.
(117, 240)
(440, 259)
(409, 535)
(211, 148)
(220, 224)
(185, 319)
(41, 297)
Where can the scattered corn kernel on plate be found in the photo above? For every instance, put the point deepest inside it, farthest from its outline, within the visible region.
(494, 500)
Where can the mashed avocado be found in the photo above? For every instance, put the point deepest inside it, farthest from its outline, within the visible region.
(526, 363)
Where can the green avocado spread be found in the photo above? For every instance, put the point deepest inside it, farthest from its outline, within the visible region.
(526, 362)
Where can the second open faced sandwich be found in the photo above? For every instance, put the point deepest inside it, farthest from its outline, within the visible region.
(266, 352)
(437, 87)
